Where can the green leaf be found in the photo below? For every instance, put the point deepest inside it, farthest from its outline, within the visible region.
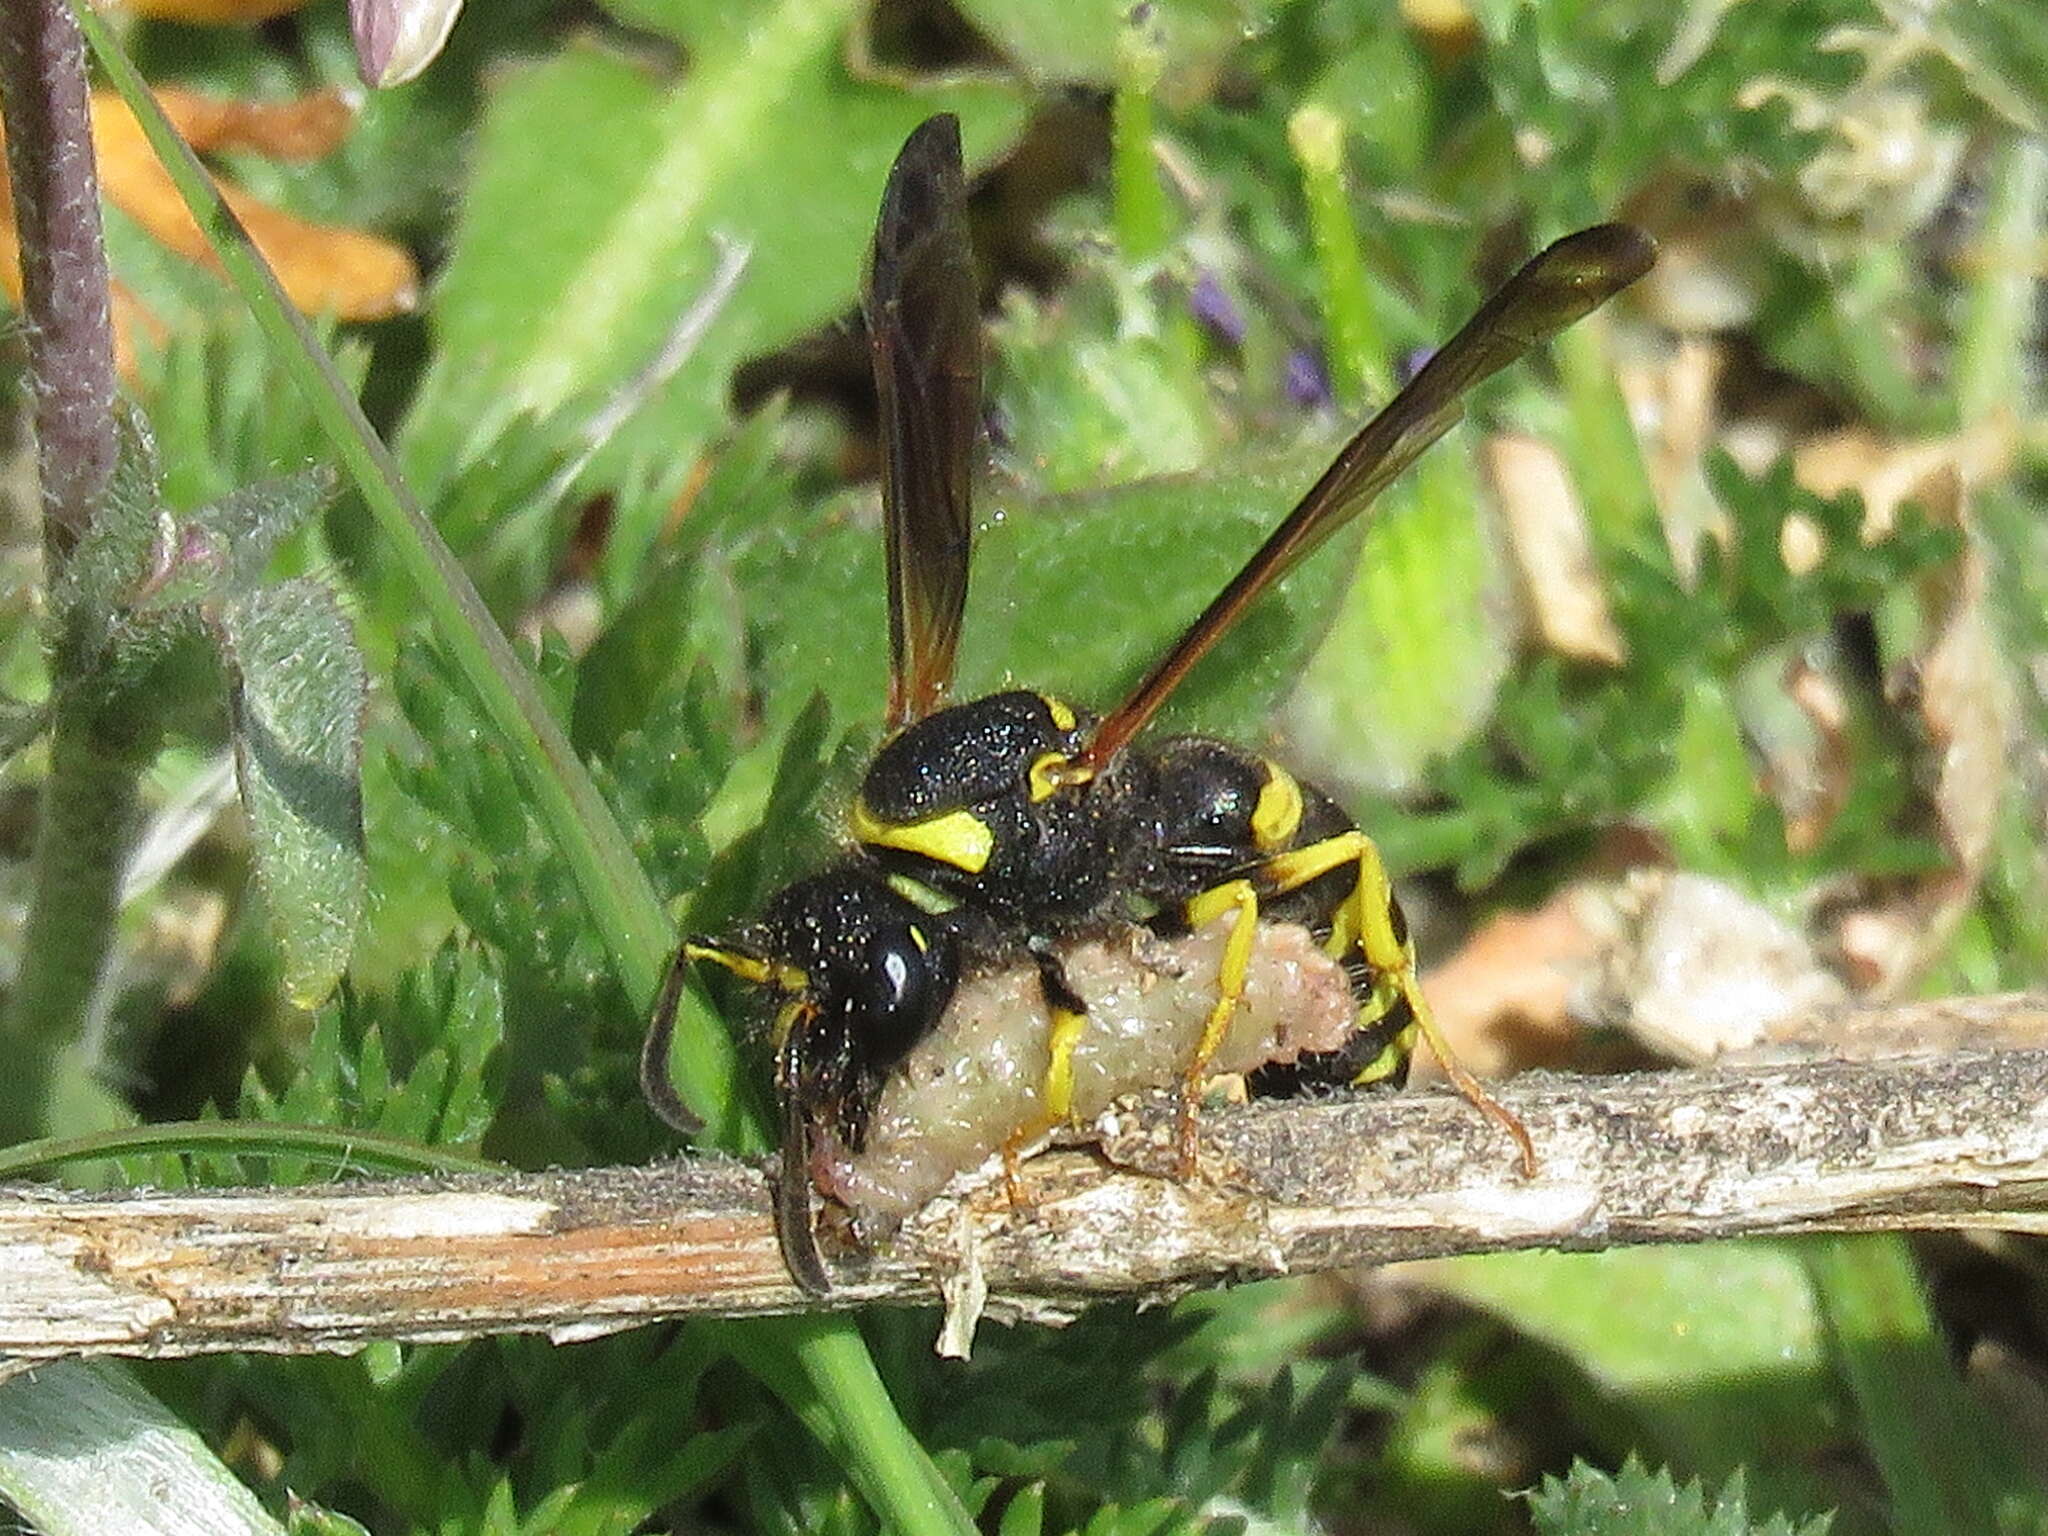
(1947, 1460)
(225, 547)
(1590, 1502)
(84, 1450)
(583, 241)
(2000, 51)
(1076, 42)
(1024, 1515)
(303, 1518)
(252, 521)
(1074, 594)
(298, 691)
(1419, 644)
(1709, 1358)
(128, 538)
(20, 724)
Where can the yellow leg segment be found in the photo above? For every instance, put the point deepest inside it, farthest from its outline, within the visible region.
(1068, 1016)
(1371, 920)
(1067, 1029)
(1239, 897)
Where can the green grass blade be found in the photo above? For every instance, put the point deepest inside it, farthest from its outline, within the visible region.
(345, 1148)
(1947, 1463)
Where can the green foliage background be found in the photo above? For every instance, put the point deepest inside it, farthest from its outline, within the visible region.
(567, 171)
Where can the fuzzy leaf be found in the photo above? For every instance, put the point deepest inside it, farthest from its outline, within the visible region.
(251, 522)
(114, 559)
(298, 691)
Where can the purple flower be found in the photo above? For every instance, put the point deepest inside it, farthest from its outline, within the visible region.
(1215, 309)
(1308, 382)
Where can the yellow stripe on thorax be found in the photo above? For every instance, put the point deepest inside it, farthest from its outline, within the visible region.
(957, 838)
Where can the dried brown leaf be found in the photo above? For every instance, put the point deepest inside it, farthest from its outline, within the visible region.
(325, 269)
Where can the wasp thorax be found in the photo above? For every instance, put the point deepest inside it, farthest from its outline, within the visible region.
(967, 755)
(960, 803)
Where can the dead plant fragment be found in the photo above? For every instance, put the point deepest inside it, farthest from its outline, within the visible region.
(349, 274)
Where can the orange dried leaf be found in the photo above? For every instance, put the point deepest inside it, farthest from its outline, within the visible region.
(325, 269)
(303, 128)
(1503, 998)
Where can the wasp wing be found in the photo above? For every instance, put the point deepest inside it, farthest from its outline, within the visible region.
(924, 331)
(1561, 284)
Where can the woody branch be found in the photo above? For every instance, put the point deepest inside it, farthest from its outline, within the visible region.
(1956, 1141)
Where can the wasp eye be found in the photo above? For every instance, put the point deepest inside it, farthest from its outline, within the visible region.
(904, 987)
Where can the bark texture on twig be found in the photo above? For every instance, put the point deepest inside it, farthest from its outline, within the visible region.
(1956, 1141)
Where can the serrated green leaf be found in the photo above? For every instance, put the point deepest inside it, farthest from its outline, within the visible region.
(223, 412)
(298, 693)
(1635, 1502)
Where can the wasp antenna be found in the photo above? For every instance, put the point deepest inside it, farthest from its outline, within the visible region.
(656, 1082)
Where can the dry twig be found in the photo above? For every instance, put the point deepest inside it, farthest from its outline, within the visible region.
(1955, 1141)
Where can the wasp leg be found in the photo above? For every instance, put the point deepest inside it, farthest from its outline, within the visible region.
(1069, 1015)
(1232, 896)
(656, 1083)
(793, 1228)
(1371, 919)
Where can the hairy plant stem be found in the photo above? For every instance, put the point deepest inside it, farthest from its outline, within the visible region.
(46, 104)
(97, 754)
(99, 747)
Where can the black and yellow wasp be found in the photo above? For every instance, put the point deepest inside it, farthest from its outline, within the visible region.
(985, 833)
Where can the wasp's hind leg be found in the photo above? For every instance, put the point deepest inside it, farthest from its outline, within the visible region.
(1371, 919)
